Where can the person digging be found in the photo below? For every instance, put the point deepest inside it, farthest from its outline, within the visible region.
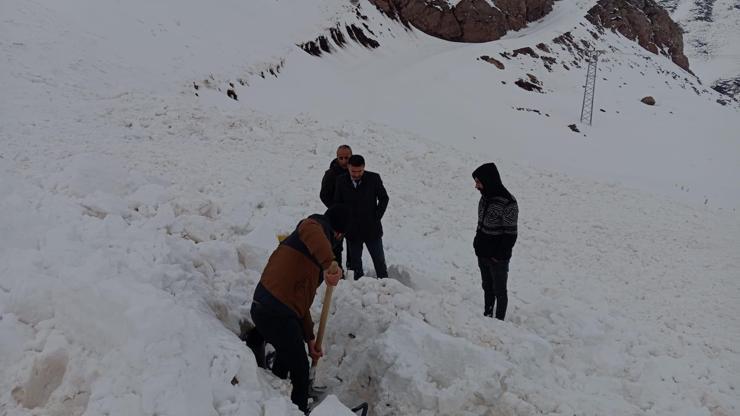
(282, 299)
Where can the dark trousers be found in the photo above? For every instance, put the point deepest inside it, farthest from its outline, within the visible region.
(285, 333)
(493, 276)
(375, 247)
(338, 253)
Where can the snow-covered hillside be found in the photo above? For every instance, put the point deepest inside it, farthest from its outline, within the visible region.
(712, 32)
(138, 212)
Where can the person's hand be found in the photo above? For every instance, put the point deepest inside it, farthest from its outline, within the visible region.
(314, 351)
(332, 278)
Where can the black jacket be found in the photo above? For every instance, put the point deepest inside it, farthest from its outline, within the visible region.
(328, 181)
(498, 214)
(367, 203)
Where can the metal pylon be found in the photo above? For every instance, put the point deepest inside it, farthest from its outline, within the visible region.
(589, 89)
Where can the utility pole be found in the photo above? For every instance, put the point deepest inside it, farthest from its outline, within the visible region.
(589, 89)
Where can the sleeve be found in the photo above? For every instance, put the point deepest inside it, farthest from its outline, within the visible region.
(327, 189)
(308, 326)
(382, 199)
(312, 235)
(512, 218)
(338, 198)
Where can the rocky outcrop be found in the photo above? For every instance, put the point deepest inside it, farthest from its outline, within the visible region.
(336, 38)
(645, 22)
(532, 84)
(493, 61)
(469, 20)
(729, 87)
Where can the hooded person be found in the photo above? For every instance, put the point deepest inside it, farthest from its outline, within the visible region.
(281, 306)
(495, 237)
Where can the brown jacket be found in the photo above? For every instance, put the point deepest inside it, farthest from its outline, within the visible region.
(292, 277)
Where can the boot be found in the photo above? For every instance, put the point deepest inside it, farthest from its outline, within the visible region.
(488, 304)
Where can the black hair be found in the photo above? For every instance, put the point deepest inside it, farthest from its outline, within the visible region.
(357, 161)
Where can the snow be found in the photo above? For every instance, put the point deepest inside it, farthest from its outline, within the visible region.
(137, 217)
(615, 148)
(331, 406)
(710, 39)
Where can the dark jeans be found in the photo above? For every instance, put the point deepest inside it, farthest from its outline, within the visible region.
(375, 247)
(285, 333)
(494, 275)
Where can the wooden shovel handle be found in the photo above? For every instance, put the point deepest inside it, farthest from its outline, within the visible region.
(325, 310)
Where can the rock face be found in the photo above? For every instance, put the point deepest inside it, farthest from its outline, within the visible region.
(469, 20)
(645, 22)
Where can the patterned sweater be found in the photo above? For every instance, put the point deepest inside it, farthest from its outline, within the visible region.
(497, 227)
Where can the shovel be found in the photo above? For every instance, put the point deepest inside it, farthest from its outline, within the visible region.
(318, 392)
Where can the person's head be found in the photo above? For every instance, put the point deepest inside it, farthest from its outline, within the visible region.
(488, 181)
(338, 216)
(356, 167)
(478, 184)
(344, 152)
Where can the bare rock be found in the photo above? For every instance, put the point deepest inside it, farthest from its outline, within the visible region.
(493, 61)
(648, 100)
(645, 22)
(467, 21)
(525, 51)
(528, 85)
(534, 79)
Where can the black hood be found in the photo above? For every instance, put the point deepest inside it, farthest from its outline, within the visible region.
(488, 175)
(334, 165)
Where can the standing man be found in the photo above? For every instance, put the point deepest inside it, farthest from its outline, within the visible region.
(363, 191)
(495, 237)
(337, 167)
(283, 297)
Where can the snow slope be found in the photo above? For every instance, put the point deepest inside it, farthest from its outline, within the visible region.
(137, 217)
(712, 31)
(479, 112)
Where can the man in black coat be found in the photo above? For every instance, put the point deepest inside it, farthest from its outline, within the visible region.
(495, 237)
(337, 167)
(364, 193)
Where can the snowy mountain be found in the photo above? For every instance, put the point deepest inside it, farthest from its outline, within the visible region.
(712, 32)
(150, 153)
